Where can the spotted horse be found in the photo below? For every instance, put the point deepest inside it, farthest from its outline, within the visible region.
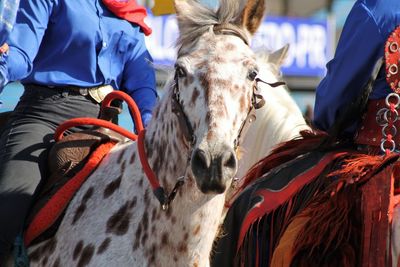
(115, 219)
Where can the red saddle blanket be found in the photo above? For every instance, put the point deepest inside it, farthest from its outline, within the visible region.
(52, 210)
(318, 209)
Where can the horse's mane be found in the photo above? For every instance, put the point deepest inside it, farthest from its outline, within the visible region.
(192, 27)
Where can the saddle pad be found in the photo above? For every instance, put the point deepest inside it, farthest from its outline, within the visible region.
(261, 214)
(280, 184)
(56, 205)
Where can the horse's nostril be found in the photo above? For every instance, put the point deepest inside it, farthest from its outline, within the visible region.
(229, 160)
(200, 160)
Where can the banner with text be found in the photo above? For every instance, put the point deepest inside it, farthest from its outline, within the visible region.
(310, 42)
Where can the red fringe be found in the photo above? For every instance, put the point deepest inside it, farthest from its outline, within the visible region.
(332, 237)
(357, 167)
(326, 238)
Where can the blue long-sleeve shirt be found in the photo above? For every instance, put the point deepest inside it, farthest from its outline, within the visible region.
(80, 43)
(361, 44)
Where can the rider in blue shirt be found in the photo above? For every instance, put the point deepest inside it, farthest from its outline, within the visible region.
(57, 43)
(361, 44)
(58, 47)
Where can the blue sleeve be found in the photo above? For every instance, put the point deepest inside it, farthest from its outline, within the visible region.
(8, 11)
(139, 77)
(359, 47)
(24, 41)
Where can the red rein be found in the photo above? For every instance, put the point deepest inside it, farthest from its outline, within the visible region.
(59, 133)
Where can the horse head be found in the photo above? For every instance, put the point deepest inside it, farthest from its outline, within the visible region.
(214, 83)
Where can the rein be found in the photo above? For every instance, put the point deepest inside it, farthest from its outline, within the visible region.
(158, 190)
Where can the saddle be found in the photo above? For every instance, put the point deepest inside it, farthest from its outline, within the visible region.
(66, 159)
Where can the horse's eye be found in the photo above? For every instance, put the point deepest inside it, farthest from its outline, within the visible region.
(252, 75)
(181, 72)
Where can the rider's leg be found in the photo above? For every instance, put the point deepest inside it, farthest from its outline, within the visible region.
(23, 146)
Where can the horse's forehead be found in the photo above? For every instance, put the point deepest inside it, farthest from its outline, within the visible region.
(229, 60)
(212, 48)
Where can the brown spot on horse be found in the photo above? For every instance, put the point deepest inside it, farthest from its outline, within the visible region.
(104, 245)
(164, 239)
(182, 247)
(77, 250)
(195, 95)
(86, 256)
(132, 159)
(112, 187)
(82, 207)
(118, 223)
(120, 157)
(138, 236)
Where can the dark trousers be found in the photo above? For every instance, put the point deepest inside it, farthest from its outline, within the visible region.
(24, 143)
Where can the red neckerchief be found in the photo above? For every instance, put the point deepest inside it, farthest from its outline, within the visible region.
(129, 11)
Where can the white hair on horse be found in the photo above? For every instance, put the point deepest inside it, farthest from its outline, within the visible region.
(279, 120)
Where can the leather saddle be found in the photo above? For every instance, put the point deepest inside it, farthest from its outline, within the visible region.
(66, 158)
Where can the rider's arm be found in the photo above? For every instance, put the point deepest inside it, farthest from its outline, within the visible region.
(24, 40)
(139, 77)
(359, 47)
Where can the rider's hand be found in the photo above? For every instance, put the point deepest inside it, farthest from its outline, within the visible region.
(3, 66)
(146, 117)
(4, 49)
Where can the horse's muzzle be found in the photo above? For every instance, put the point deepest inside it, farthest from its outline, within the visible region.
(212, 169)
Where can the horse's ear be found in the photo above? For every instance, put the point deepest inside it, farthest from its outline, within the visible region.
(184, 13)
(252, 15)
(180, 6)
(279, 56)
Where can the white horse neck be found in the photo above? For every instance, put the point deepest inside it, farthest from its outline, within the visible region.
(279, 120)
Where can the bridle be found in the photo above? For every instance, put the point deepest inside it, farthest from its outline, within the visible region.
(257, 101)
